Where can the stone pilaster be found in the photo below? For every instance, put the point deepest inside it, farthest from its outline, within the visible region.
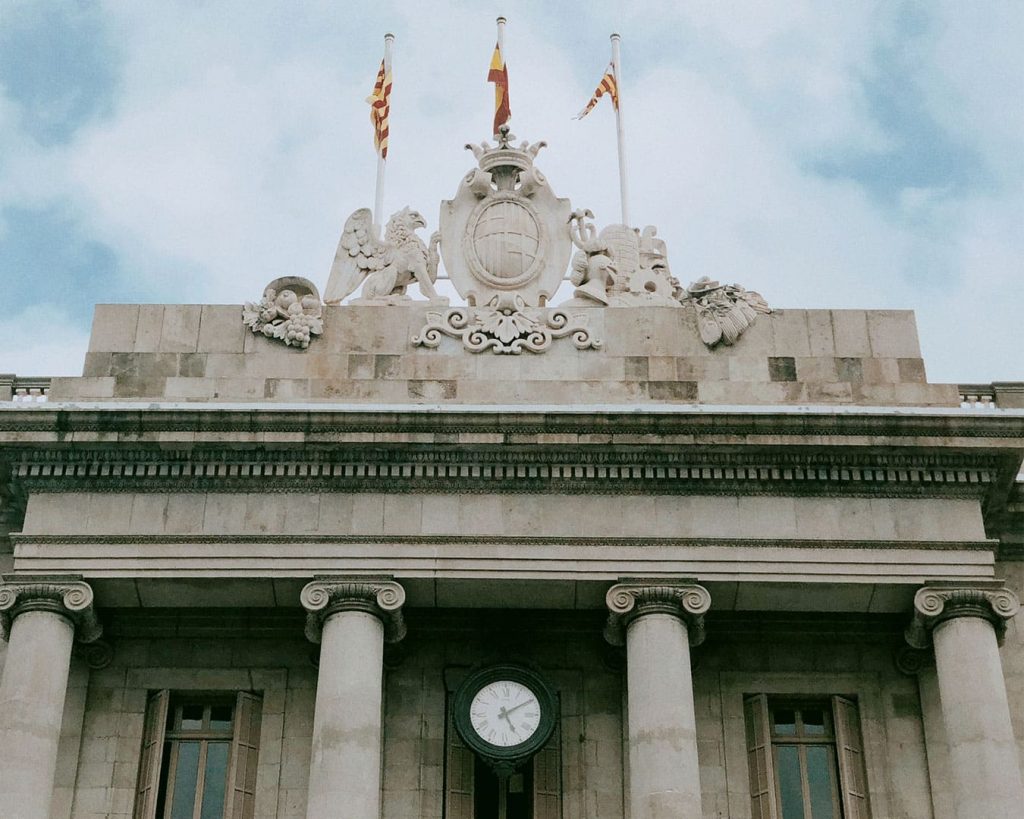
(40, 617)
(964, 624)
(661, 620)
(351, 618)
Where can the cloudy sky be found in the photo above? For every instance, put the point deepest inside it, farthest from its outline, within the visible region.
(827, 154)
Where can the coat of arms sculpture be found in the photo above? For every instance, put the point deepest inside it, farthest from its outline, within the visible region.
(505, 234)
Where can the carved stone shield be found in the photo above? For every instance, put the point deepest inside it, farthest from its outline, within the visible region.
(505, 233)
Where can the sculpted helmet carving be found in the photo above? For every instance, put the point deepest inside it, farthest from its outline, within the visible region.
(505, 234)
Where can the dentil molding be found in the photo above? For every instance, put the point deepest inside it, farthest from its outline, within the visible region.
(632, 598)
(379, 596)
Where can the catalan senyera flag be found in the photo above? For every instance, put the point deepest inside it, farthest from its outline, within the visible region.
(380, 109)
(498, 74)
(606, 86)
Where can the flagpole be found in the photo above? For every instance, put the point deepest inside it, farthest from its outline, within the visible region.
(623, 190)
(501, 34)
(378, 201)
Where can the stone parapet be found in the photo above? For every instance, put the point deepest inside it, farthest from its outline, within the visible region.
(379, 596)
(367, 354)
(936, 603)
(632, 598)
(65, 595)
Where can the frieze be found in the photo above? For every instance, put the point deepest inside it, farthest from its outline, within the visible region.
(515, 470)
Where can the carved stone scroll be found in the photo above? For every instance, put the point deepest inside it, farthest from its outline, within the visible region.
(67, 596)
(634, 598)
(379, 596)
(937, 603)
(509, 328)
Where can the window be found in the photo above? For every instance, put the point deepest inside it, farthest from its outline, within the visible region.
(805, 758)
(198, 757)
(471, 791)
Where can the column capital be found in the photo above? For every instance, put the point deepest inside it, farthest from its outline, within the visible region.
(938, 602)
(67, 595)
(634, 597)
(382, 597)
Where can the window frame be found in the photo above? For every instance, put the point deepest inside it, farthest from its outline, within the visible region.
(157, 770)
(866, 688)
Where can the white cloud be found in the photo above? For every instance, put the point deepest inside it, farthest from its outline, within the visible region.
(241, 142)
(42, 339)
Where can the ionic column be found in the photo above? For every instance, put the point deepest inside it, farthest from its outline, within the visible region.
(965, 626)
(39, 617)
(661, 620)
(351, 618)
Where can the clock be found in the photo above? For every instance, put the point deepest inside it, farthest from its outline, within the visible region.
(505, 714)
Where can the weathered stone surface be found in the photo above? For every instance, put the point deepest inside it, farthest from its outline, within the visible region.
(646, 354)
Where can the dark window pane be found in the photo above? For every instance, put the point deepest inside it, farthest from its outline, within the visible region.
(784, 720)
(191, 717)
(814, 721)
(216, 780)
(220, 717)
(790, 792)
(185, 775)
(821, 780)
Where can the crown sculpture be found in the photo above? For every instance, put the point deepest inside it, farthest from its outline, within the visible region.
(507, 244)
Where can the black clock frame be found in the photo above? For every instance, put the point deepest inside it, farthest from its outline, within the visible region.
(502, 759)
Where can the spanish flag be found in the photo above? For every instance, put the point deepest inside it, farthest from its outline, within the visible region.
(606, 86)
(380, 109)
(498, 74)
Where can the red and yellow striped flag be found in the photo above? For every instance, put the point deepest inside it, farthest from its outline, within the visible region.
(380, 109)
(606, 86)
(498, 74)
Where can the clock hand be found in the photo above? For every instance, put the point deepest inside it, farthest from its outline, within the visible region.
(516, 707)
(503, 714)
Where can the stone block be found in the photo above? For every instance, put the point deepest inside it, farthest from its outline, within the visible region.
(911, 370)
(850, 333)
(782, 368)
(815, 369)
(113, 328)
(820, 333)
(221, 329)
(893, 334)
(789, 333)
(674, 391)
(426, 391)
(179, 332)
(147, 334)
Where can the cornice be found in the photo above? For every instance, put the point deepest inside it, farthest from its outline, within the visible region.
(68, 596)
(516, 469)
(637, 597)
(143, 540)
(136, 421)
(936, 603)
(379, 596)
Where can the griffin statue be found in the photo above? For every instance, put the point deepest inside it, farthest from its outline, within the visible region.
(385, 267)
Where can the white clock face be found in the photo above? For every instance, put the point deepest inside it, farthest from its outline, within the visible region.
(505, 713)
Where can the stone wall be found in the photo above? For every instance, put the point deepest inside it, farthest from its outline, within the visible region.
(648, 355)
(102, 730)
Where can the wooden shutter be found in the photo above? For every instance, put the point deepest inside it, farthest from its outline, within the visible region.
(547, 779)
(459, 766)
(240, 797)
(850, 750)
(760, 767)
(147, 790)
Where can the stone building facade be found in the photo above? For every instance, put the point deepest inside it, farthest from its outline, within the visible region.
(789, 557)
(658, 552)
